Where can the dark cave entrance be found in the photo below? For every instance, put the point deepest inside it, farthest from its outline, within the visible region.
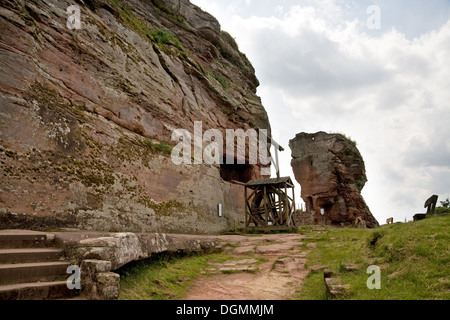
(237, 172)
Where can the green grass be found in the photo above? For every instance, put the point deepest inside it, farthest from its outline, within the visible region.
(223, 82)
(164, 276)
(440, 210)
(162, 39)
(413, 258)
(157, 147)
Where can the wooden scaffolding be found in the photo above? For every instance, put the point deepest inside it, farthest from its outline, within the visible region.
(267, 202)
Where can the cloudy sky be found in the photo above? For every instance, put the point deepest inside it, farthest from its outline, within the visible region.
(338, 66)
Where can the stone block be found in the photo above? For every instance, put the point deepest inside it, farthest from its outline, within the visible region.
(91, 267)
(108, 285)
(316, 268)
(350, 267)
(335, 289)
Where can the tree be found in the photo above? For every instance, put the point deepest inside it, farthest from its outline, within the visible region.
(444, 208)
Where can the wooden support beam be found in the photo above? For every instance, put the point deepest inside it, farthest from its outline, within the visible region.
(265, 205)
(247, 222)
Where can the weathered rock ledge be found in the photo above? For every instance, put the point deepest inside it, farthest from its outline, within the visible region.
(99, 254)
(121, 248)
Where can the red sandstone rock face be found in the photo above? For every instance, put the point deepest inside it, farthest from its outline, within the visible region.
(86, 115)
(331, 174)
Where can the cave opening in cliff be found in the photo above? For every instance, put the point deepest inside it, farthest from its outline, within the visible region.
(236, 172)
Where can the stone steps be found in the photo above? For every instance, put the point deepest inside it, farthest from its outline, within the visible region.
(33, 271)
(22, 239)
(31, 268)
(36, 291)
(29, 255)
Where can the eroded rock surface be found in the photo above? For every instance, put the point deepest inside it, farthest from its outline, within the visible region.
(86, 116)
(121, 248)
(331, 174)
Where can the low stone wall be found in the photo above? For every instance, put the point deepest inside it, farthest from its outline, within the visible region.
(99, 254)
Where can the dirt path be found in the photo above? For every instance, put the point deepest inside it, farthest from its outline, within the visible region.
(263, 267)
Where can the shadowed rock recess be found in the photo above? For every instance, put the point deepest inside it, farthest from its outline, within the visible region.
(87, 115)
(331, 173)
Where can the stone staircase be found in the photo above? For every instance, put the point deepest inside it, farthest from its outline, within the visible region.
(31, 267)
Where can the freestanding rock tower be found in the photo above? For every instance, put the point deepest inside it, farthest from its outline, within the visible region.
(331, 174)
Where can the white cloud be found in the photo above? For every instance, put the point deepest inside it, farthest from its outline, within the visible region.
(321, 69)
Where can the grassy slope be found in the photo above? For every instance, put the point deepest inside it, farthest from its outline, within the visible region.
(413, 258)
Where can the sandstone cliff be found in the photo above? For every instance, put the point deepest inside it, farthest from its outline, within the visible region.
(86, 115)
(331, 174)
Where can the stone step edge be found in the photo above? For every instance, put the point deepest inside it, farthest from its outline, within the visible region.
(18, 286)
(32, 264)
(45, 290)
(29, 250)
(28, 255)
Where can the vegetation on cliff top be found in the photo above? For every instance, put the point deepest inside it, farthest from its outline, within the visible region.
(161, 39)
